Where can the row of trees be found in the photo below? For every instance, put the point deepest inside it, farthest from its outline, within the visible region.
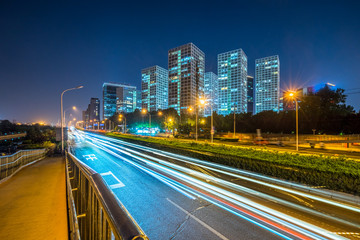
(36, 134)
(324, 111)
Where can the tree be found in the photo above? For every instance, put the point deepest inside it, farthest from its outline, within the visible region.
(324, 110)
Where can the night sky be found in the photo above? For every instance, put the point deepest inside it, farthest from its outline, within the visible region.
(48, 46)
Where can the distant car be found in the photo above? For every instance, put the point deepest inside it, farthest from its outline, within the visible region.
(261, 141)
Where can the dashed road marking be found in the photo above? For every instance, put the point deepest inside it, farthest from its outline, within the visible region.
(116, 185)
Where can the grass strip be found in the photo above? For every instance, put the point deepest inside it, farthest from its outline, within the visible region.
(335, 173)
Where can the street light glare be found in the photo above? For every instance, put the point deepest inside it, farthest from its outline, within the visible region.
(79, 87)
(144, 110)
(74, 108)
(202, 101)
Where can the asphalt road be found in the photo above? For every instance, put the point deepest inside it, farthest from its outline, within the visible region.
(177, 197)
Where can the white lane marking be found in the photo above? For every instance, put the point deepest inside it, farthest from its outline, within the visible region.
(116, 185)
(90, 157)
(152, 173)
(199, 221)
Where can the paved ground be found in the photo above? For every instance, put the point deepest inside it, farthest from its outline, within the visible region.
(33, 202)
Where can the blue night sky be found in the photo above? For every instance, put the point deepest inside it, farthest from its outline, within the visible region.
(48, 46)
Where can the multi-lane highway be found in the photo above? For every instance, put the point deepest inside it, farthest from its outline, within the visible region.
(176, 197)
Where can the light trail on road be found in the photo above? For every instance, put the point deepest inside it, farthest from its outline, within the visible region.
(223, 193)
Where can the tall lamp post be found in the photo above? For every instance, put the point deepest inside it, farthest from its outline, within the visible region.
(62, 116)
(120, 119)
(202, 102)
(73, 108)
(212, 123)
(144, 111)
(292, 95)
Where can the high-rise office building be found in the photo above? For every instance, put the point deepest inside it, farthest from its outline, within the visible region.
(267, 84)
(250, 94)
(154, 88)
(94, 109)
(232, 77)
(138, 100)
(118, 98)
(125, 99)
(186, 76)
(109, 99)
(211, 93)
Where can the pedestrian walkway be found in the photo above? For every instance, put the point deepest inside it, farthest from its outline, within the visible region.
(33, 202)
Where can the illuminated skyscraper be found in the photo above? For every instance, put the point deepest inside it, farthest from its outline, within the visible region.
(232, 75)
(118, 98)
(94, 109)
(211, 92)
(186, 76)
(250, 94)
(125, 99)
(138, 100)
(109, 99)
(154, 88)
(267, 84)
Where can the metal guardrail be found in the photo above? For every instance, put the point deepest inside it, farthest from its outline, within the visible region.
(11, 136)
(12, 163)
(94, 211)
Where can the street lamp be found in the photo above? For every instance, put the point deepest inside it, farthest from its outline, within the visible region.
(201, 102)
(144, 111)
(120, 119)
(171, 120)
(62, 117)
(292, 95)
(73, 108)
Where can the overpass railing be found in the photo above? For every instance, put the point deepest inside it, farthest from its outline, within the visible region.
(12, 163)
(94, 211)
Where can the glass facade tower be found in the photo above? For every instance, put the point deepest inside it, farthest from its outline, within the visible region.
(232, 77)
(267, 84)
(94, 109)
(118, 98)
(250, 94)
(125, 99)
(186, 76)
(109, 100)
(154, 88)
(138, 100)
(211, 93)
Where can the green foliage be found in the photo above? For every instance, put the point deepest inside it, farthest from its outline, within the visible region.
(324, 111)
(336, 173)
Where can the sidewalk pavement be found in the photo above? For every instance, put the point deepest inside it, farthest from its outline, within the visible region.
(33, 202)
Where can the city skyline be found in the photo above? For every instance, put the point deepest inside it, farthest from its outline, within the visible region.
(41, 55)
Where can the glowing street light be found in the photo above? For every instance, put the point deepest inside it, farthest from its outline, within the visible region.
(120, 119)
(62, 114)
(292, 95)
(190, 109)
(144, 111)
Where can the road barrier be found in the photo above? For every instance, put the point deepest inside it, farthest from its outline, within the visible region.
(11, 164)
(94, 211)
